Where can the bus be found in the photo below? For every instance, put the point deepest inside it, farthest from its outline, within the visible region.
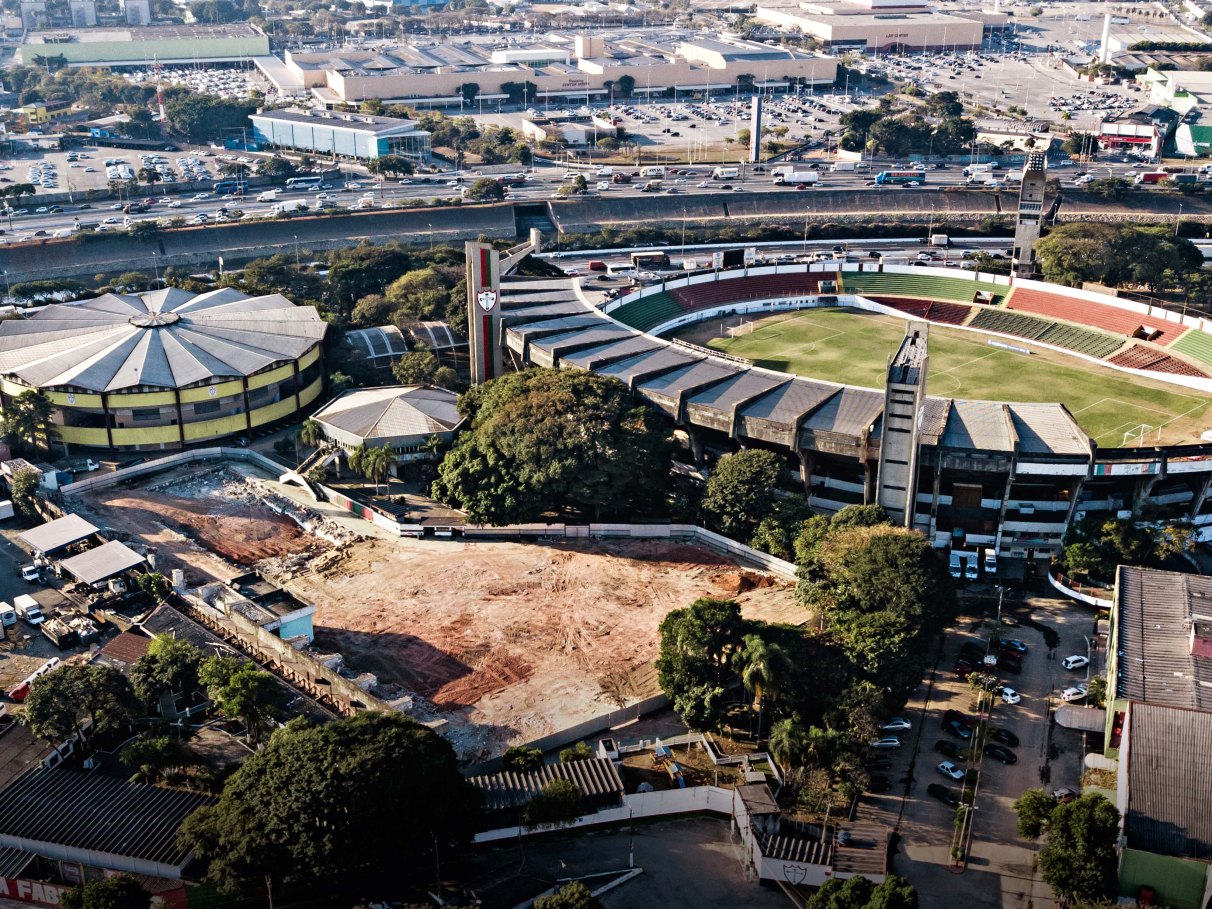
(899, 177)
(230, 187)
(305, 183)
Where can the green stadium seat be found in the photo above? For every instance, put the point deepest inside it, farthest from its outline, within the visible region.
(1195, 344)
(648, 312)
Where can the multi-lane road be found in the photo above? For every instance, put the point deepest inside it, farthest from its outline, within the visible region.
(543, 183)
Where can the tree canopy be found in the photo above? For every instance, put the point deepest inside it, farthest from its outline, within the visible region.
(118, 892)
(1079, 861)
(697, 645)
(1094, 547)
(321, 800)
(26, 423)
(59, 702)
(740, 491)
(859, 893)
(1116, 254)
(547, 439)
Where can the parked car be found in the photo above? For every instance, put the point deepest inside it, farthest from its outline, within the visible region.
(949, 749)
(958, 716)
(897, 724)
(958, 730)
(1005, 737)
(950, 770)
(1014, 646)
(1064, 794)
(1001, 753)
(1076, 693)
(1075, 662)
(1010, 696)
(888, 741)
(943, 794)
(879, 784)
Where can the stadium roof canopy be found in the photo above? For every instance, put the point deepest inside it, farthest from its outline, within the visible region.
(167, 338)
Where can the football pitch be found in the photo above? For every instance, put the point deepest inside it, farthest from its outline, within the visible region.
(853, 348)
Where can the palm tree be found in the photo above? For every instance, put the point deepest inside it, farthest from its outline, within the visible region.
(311, 433)
(763, 668)
(356, 458)
(150, 176)
(788, 742)
(376, 464)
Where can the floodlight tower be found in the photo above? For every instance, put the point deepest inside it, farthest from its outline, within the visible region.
(904, 394)
(1030, 215)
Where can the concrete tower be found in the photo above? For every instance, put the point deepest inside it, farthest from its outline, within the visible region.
(484, 311)
(755, 130)
(1030, 215)
(1104, 48)
(896, 483)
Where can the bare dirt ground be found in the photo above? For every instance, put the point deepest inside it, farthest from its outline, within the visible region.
(512, 641)
(196, 513)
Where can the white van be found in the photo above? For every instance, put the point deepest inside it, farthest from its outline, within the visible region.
(990, 563)
(8, 615)
(956, 566)
(27, 608)
(970, 569)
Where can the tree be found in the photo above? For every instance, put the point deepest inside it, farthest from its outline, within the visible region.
(23, 488)
(578, 752)
(521, 759)
(376, 465)
(149, 175)
(1080, 861)
(118, 892)
(322, 802)
(59, 702)
(894, 893)
(547, 439)
(557, 805)
(241, 692)
(740, 491)
(626, 85)
(763, 668)
(311, 433)
(1033, 809)
(788, 742)
(853, 893)
(278, 169)
(200, 118)
(696, 644)
(485, 189)
(147, 756)
(170, 666)
(155, 585)
(417, 367)
(571, 896)
(26, 423)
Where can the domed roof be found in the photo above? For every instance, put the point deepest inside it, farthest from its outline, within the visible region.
(167, 338)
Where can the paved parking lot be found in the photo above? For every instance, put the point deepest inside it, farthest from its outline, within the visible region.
(24, 648)
(1000, 871)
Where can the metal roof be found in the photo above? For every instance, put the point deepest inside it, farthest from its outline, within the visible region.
(850, 412)
(615, 350)
(648, 363)
(100, 814)
(1169, 766)
(708, 371)
(741, 387)
(102, 563)
(1048, 429)
(978, 426)
(54, 535)
(787, 404)
(165, 338)
(359, 123)
(392, 412)
(380, 341)
(596, 777)
(1154, 613)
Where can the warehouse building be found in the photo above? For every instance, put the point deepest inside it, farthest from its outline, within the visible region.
(142, 46)
(165, 368)
(358, 137)
(878, 25)
(589, 67)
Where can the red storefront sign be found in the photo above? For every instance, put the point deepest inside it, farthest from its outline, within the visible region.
(36, 892)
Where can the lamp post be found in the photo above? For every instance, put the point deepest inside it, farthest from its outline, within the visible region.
(296, 236)
(1179, 219)
(431, 238)
(930, 223)
(156, 267)
(683, 234)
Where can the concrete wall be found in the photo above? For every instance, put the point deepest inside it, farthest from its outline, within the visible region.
(1179, 883)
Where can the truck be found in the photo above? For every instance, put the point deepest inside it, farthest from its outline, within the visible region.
(975, 170)
(270, 195)
(650, 173)
(59, 633)
(1152, 177)
(652, 186)
(27, 608)
(839, 167)
(725, 173)
(289, 207)
(1186, 179)
(796, 177)
(620, 178)
(940, 240)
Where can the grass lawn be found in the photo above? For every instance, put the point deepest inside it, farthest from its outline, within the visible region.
(853, 347)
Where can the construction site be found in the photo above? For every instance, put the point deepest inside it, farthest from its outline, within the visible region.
(493, 642)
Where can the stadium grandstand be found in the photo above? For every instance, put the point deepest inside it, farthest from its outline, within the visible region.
(1009, 476)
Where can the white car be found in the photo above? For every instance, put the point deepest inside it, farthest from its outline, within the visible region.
(201, 197)
(1075, 662)
(112, 221)
(117, 206)
(174, 204)
(897, 724)
(1010, 696)
(1076, 693)
(888, 741)
(603, 185)
(949, 770)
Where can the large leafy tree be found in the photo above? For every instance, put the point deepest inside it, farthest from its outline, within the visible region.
(1079, 861)
(697, 644)
(26, 423)
(372, 795)
(240, 691)
(118, 892)
(1033, 809)
(169, 666)
(1116, 254)
(548, 439)
(60, 701)
(740, 491)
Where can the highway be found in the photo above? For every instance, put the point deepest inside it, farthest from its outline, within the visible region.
(542, 184)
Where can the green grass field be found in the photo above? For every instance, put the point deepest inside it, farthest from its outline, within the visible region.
(852, 347)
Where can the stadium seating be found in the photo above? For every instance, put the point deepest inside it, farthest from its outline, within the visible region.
(1082, 340)
(648, 312)
(948, 313)
(740, 290)
(910, 307)
(1010, 323)
(1195, 344)
(1085, 312)
(1140, 357)
(919, 286)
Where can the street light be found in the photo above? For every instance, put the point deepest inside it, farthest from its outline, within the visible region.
(296, 236)
(930, 223)
(155, 268)
(431, 238)
(1178, 219)
(683, 234)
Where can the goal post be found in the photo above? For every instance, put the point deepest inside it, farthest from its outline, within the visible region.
(1138, 434)
(744, 327)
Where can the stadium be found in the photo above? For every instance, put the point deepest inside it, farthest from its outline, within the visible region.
(166, 368)
(1045, 404)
